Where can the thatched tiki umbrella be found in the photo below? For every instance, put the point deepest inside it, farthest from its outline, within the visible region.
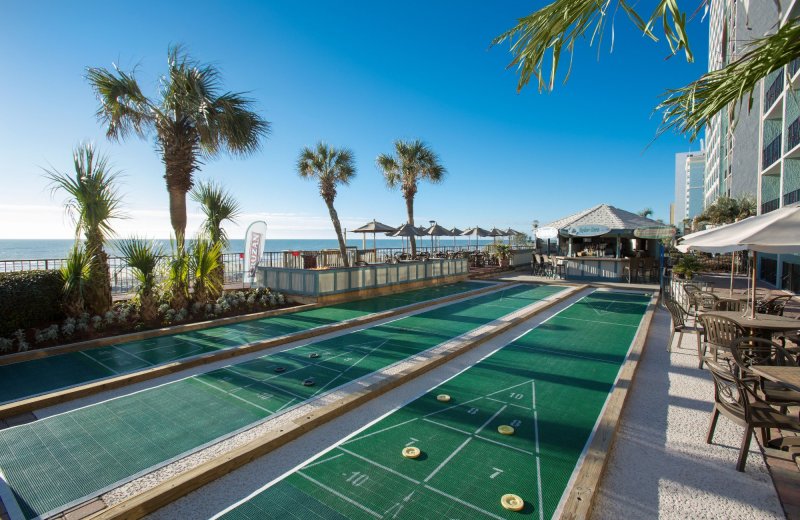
(372, 227)
(512, 233)
(407, 230)
(437, 231)
(494, 233)
(476, 232)
(455, 232)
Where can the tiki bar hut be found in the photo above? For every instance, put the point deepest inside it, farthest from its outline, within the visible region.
(608, 243)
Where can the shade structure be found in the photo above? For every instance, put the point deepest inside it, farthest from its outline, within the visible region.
(455, 232)
(474, 232)
(511, 233)
(372, 227)
(407, 230)
(774, 232)
(494, 233)
(437, 231)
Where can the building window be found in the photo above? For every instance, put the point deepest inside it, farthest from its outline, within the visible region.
(769, 270)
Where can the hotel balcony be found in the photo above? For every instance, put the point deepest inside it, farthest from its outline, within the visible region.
(773, 101)
(771, 153)
(770, 205)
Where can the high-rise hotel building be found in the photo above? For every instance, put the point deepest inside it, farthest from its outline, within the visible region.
(756, 151)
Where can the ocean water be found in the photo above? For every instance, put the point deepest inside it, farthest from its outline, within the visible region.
(55, 249)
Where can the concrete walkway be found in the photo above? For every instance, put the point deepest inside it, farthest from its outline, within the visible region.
(661, 466)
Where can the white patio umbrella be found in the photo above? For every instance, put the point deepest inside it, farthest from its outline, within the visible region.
(774, 232)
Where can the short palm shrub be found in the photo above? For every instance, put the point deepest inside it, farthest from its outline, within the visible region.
(75, 274)
(143, 257)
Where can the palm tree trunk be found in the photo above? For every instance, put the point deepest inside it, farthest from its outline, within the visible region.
(338, 228)
(98, 287)
(410, 210)
(177, 214)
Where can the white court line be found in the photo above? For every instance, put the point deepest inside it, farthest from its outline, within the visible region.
(601, 322)
(99, 362)
(369, 461)
(362, 358)
(446, 426)
(509, 404)
(343, 497)
(449, 457)
(566, 354)
(131, 354)
(503, 444)
(463, 503)
(377, 432)
(539, 485)
(236, 397)
(490, 419)
(324, 460)
(533, 393)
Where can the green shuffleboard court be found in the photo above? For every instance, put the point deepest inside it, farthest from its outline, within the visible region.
(39, 376)
(549, 385)
(64, 459)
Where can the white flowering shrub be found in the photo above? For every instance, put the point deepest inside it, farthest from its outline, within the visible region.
(6, 344)
(22, 344)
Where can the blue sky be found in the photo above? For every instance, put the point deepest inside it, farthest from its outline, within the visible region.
(356, 74)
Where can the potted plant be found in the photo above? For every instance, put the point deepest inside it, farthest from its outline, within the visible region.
(686, 267)
(503, 253)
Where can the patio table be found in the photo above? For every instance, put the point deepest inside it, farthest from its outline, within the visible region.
(788, 376)
(766, 323)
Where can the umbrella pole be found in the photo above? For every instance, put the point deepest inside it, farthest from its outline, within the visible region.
(753, 307)
(733, 266)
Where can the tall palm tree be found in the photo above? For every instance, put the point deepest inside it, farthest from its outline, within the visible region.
(92, 202)
(329, 166)
(191, 117)
(412, 162)
(218, 206)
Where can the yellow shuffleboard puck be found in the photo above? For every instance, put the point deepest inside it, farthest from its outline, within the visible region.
(411, 452)
(444, 398)
(512, 502)
(505, 429)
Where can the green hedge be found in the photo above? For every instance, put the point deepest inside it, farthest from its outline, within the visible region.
(29, 299)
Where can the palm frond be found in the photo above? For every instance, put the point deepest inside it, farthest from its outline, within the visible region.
(557, 27)
(123, 108)
(218, 206)
(689, 109)
(93, 200)
(143, 257)
(329, 165)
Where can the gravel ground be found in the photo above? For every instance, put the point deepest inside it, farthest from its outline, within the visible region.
(237, 485)
(661, 466)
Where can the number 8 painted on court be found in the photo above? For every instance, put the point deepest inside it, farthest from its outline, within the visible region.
(472, 411)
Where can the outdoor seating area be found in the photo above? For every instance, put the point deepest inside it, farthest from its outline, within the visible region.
(741, 352)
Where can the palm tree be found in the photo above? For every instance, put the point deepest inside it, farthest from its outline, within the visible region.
(329, 166)
(219, 206)
(191, 117)
(646, 212)
(412, 162)
(75, 273)
(143, 257)
(558, 26)
(92, 202)
(205, 257)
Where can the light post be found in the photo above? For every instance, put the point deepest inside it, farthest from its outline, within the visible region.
(433, 223)
(535, 239)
